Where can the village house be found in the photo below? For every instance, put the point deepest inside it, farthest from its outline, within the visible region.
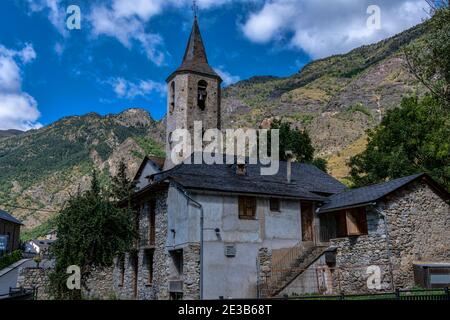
(225, 231)
(9, 233)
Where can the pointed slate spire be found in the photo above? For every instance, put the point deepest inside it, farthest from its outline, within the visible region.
(195, 59)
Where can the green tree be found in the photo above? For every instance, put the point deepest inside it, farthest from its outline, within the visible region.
(299, 142)
(410, 139)
(121, 186)
(92, 230)
(428, 59)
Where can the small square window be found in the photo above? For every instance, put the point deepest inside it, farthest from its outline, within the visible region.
(274, 204)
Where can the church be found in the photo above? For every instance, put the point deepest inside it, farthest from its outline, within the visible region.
(224, 231)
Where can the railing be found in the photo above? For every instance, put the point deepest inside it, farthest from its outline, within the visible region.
(325, 233)
(20, 294)
(283, 268)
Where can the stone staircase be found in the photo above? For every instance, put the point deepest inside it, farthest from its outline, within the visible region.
(289, 267)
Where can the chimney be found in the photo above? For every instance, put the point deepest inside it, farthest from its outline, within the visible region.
(241, 170)
(289, 156)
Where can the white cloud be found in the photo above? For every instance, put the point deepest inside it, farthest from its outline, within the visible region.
(227, 77)
(142, 88)
(18, 110)
(322, 27)
(125, 20)
(56, 14)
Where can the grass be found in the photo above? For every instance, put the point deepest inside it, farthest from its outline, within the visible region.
(337, 163)
(360, 108)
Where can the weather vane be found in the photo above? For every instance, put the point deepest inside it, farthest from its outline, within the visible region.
(195, 8)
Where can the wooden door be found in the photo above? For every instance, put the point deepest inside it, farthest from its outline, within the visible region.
(307, 216)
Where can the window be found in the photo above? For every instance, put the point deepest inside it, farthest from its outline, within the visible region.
(122, 270)
(176, 296)
(177, 258)
(149, 264)
(356, 222)
(202, 94)
(247, 208)
(274, 204)
(151, 223)
(172, 97)
(241, 169)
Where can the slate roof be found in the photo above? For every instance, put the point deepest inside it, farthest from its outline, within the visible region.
(6, 216)
(365, 195)
(308, 182)
(195, 59)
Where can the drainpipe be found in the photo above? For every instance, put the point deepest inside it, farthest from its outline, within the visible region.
(198, 205)
(289, 156)
(388, 241)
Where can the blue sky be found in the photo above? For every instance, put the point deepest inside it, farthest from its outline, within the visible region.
(126, 48)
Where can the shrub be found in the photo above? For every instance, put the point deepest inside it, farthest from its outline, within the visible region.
(9, 259)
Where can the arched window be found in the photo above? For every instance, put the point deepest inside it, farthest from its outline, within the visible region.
(172, 97)
(202, 94)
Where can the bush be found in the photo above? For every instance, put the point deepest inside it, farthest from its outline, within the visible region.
(9, 259)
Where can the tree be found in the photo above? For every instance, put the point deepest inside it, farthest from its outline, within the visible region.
(428, 59)
(121, 186)
(92, 230)
(299, 142)
(410, 139)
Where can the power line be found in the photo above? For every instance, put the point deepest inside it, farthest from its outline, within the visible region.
(27, 208)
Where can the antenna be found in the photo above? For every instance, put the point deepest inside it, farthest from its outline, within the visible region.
(195, 8)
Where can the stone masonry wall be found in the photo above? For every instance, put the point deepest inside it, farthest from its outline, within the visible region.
(99, 284)
(35, 278)
(418, 224)
(419, 230)
(191, 272)
(158, 288)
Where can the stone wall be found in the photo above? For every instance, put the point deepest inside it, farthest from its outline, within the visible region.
(264, 264)
(418, 224)
(35, 278)
(191, 272)
(419, 230)
(140, 288)
(99, 284)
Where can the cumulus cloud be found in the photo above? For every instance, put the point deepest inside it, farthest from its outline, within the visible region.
(125, 20)
(227, 77)
(323, 27)
(142, 88)
(18, 110)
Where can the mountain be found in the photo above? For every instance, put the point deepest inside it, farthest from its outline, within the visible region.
(336, 99)
(9, 133)
(41, 168)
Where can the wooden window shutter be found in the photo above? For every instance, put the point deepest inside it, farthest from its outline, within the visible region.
(247, 207)
(241, 206)
(353, 226)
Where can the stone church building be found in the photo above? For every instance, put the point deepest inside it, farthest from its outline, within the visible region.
(225, 231)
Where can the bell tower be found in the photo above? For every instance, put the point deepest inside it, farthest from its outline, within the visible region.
(194, 92)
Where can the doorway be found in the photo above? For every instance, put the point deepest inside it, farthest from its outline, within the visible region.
(307, 217)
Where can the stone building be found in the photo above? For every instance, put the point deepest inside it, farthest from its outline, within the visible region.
(225, 231)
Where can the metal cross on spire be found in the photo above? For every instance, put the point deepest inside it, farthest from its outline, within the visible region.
(195, 8)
